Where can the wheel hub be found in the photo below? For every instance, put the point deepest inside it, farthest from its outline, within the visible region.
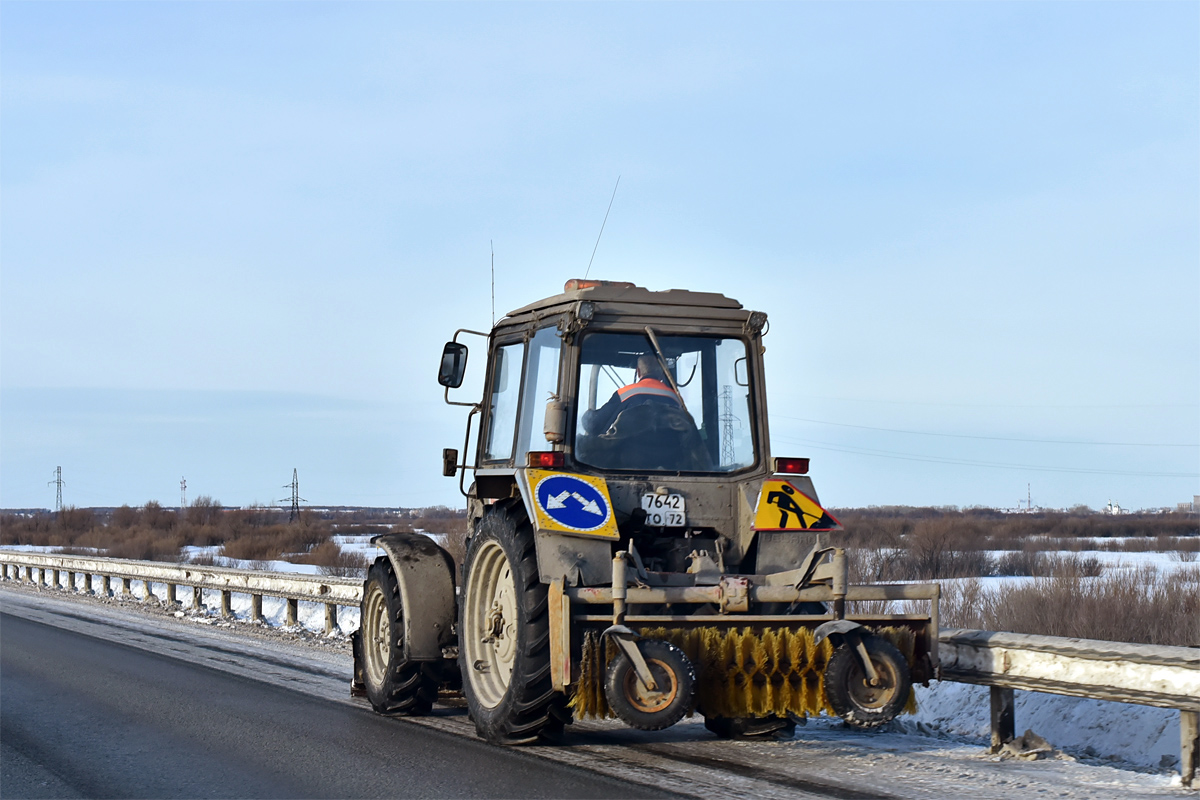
(490, 623)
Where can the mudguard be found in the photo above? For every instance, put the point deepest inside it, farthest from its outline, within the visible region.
(837, 626)
(425, 573)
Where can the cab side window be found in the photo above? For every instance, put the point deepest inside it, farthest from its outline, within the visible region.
(541, 381)
(506, 394)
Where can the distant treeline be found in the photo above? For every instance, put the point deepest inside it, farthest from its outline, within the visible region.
(256, 533)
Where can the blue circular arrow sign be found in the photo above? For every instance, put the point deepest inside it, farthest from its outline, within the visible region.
(572, 503)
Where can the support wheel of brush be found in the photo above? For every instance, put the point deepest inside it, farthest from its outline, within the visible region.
(504, 633)
(392, 683)
(771, 727)
(853, 698)
(639, 708)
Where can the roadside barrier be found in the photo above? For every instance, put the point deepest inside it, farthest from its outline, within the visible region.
(49, 569)
(1143, 674)
(1167, 677)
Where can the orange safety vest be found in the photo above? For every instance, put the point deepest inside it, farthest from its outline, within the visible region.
(648, 387)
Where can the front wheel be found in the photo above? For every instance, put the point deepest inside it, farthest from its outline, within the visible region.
(648, 710)
(857, 700)
(504, 639)
(392, 683)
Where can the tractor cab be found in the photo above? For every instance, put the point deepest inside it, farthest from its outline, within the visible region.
(654, 399)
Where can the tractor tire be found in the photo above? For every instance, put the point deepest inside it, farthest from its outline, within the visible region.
(850, 695)
(392, 684)
(771, 727)
(504, 634)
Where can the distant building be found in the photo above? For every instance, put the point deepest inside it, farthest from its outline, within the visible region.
(1113, 508)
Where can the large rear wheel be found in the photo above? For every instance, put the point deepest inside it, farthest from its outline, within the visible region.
(504, 633)
(393, 684)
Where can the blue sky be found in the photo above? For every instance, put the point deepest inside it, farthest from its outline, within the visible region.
(234, 236)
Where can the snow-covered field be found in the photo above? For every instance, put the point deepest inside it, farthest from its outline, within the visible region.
(1142, 737)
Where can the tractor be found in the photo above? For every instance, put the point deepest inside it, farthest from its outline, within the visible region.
(634, 548)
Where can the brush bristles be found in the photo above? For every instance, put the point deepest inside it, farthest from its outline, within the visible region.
(743, 672)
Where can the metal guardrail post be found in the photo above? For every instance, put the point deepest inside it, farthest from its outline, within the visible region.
(330, 617)
(56, 576)
(172, 598)
(147, 590)
(1189, 741)
(226, 603)
(197, 598)
(293, 610)
(87, 583)
(126, 587)
(256, 608)
(1003, 717)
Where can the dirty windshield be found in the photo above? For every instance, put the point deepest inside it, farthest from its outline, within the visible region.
(633, 415)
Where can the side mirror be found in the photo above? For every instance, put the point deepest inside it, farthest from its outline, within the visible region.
(454, 365)
(449, 462)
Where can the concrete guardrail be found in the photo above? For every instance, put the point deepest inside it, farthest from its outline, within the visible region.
(292, 587)
(1167, 677)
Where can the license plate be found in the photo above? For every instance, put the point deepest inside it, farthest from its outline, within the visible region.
(664, 510)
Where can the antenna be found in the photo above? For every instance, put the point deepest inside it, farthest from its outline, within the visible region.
(610, 202)
(492, 245)
(182, 497)
(59, 482)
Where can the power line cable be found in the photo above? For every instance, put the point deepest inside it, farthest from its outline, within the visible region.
(987, 464)
(998, 405)
(989, 438)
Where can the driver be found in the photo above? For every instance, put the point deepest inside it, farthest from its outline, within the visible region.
(649, 386)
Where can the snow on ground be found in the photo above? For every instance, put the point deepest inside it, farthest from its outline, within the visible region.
(1142, 736)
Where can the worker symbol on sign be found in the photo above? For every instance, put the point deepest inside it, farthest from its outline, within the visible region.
(791, 503)
(783, 500)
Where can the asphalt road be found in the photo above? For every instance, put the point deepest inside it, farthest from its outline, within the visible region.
(84, 717)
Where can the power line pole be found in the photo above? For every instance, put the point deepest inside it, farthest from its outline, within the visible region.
(727, 419)
(182, 497)
(58, 481)
(296, 498)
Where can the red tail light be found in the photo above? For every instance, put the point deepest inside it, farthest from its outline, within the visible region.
(792, 466)
(544, 460)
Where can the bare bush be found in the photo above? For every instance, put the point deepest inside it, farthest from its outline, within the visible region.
(205, 511)
(273, 542)
(145, 545)
(1142, 606)
(331, 559)
(1055, 566)
(157, 517)
(125, 517)
(1017, 562)
(76, 520)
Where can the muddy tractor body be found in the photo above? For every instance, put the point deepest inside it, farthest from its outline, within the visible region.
(634, 548)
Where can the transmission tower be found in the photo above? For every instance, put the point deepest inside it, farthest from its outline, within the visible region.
(296, 498)
(182, 497)
(58, 481)
(727, 419)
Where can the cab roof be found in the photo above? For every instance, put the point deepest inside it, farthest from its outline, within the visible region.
(622, 292)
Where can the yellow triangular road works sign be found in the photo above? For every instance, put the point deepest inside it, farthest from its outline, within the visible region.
(783, 507)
